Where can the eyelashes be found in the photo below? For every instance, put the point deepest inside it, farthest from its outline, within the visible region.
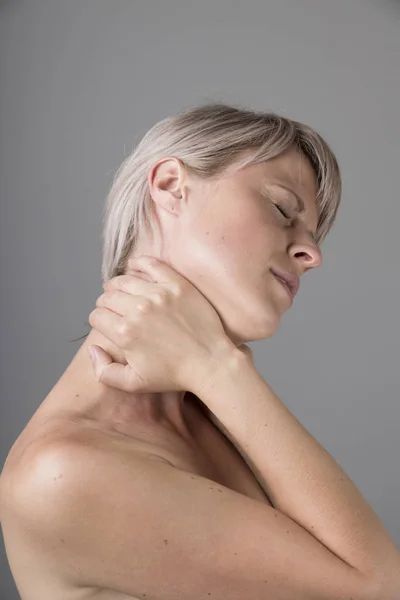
(282, 211)
(280, 208)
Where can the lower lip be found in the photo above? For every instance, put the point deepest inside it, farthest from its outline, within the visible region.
(284, 284)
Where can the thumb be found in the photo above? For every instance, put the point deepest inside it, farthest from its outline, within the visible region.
(99, 358)
(114, 374)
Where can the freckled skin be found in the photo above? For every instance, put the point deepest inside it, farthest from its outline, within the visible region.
(232, 234)
(223, 236)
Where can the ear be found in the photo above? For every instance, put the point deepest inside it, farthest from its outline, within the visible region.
(166, 180)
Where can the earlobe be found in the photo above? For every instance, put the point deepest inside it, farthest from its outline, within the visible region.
(170, 201)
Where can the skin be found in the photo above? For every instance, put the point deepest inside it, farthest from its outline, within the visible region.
(84, 514)
(232, 234)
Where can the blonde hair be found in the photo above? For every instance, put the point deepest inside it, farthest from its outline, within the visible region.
(207, 139)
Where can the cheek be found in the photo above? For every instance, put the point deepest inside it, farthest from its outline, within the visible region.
(246, 245)
(227, 262)
(226, 241)
(235, 233)
(223, 245)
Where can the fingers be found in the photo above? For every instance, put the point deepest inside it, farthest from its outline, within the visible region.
(113, 374)
(159, 271)
(131, 283)
(108, 323)
(147, 274)
(117, 301)
(120, 376)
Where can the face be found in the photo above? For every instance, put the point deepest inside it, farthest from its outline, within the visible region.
(225, 235)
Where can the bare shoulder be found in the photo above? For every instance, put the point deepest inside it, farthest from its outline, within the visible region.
(129, 523)
(62, 443)
(54, 489)
(59, 456)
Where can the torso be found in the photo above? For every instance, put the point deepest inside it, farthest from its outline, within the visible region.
(217, 460)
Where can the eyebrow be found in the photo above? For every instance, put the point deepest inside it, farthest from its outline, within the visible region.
(300, 206)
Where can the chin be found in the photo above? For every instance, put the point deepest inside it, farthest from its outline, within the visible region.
(251, 329)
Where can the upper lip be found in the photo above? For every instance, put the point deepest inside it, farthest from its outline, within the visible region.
(292, 280)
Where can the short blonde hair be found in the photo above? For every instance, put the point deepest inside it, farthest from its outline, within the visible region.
(208, 139)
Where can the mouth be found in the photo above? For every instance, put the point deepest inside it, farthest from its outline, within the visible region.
(285, 285)
(290, 282)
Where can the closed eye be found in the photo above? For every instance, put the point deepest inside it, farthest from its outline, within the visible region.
(282, 211)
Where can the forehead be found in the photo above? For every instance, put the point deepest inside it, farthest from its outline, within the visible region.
(294, 168)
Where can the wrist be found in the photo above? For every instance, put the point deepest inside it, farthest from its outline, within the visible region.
(225, 361)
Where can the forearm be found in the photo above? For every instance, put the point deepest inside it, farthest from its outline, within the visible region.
(300, 477)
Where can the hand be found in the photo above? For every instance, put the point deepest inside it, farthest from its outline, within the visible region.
(171, 336)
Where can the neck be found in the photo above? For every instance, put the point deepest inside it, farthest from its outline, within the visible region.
(79, 391)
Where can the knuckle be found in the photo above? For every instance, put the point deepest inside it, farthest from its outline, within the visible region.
(92, 317)
(123, 334)
(144, 306)
(161, 298)
(100, 301)
(116, 282)
(178, 288)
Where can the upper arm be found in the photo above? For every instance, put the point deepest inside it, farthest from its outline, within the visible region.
(144, 528)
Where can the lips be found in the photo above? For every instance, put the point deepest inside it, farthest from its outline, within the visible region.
(292, 281)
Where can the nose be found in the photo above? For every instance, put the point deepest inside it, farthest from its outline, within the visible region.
(306, 255)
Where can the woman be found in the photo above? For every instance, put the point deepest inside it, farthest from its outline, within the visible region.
(168, 469)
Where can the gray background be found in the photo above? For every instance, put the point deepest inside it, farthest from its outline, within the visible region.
(82, 81)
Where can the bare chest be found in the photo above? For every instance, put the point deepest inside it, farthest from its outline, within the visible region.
(212, 456)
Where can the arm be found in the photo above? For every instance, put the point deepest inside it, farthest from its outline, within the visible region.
(300, 477)
(94, 516)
